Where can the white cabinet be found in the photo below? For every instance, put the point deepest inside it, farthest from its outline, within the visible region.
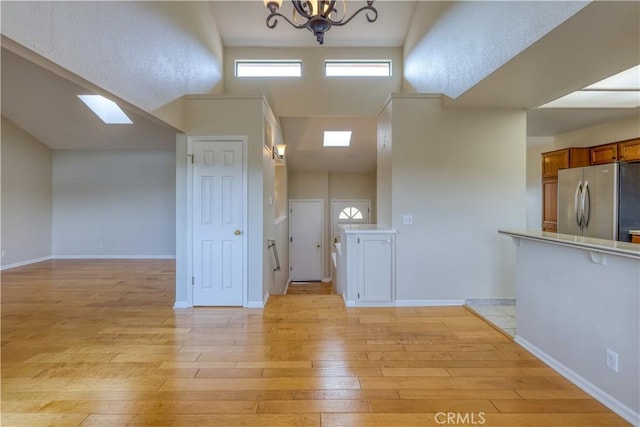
(366, 266)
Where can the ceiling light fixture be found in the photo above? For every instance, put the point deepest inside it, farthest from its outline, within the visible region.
(320, 15)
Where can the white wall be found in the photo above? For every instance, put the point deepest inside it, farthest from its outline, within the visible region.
(26, 197)
(113, 203)
(460, 173)
(572, 309)
(314, 94)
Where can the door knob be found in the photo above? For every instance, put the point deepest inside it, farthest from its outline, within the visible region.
(318, 246)
(237, 232)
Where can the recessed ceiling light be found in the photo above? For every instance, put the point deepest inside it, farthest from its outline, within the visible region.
(107, 110)
(337, 138)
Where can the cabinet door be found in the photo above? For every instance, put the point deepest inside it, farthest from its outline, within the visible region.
(375, 278)
(604, 154)
(553, 161)
(629, 151)
(550, 205)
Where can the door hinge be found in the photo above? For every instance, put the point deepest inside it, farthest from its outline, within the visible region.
(291, 239)
(193, 280)
(290, 268)
(192, 156)
(291, 210)
(358, 240)
(358, 295)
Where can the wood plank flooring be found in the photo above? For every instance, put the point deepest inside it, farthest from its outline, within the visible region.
(97, 343)
(311, 288)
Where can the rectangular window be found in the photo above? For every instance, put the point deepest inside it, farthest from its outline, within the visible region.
(354, 68)
(269, 68)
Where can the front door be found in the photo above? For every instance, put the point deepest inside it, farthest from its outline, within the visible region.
(218, 218)
(348, 212)
(305, 240)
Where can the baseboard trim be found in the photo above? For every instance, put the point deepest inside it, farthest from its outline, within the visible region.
(588, 387)
(428, 302)
(113, 257)
(254, 304)
(182, 304)
(23, 263)
(265, 299)
(286, 287)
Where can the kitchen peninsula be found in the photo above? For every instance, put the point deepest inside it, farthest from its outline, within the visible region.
(578, 309)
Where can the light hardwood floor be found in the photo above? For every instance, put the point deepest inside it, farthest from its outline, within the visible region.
(97, 343)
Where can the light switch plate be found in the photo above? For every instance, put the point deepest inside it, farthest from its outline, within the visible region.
(407, 219)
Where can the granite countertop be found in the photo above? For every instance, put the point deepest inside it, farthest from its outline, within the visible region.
(635, 232)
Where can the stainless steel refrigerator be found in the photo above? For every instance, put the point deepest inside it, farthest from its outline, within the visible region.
(600, 201)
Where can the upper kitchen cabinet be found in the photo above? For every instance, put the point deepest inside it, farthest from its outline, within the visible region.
(604, 154)
(629, 151)
(563, 159)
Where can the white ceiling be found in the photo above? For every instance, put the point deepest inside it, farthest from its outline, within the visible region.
(45, 104)
(390, 29)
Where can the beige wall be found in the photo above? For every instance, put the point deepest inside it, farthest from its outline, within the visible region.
(618, 130)
(117, 203)
(461, 184)
(384, 178)
(329, 186)
(27, 197)
(314, 94)
(234, 116)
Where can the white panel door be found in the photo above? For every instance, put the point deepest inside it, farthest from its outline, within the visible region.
(218, 210)
(348, 212)
(305, 240)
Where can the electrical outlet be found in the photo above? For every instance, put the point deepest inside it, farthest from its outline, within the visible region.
(612, 360)
(3, 253)
(407, 219)
(100, 244)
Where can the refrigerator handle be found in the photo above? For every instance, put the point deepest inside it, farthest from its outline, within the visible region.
(585, 202)
(576, 205)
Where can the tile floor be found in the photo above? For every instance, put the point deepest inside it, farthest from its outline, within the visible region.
(500, 312)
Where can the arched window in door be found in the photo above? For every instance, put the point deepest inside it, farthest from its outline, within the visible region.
(350, 213)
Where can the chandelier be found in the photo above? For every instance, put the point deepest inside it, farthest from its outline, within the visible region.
(318, 15)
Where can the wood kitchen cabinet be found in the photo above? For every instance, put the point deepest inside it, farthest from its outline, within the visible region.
(635, 238)
(604, 154)
(552, 162)
(629, 151)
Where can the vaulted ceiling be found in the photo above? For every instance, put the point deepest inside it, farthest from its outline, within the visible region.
(479, 54)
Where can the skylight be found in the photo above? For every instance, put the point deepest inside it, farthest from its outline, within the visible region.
(337, 68)
(268, 68)
(333, 138)
(107, 110)
(621, 90)
(626, 80)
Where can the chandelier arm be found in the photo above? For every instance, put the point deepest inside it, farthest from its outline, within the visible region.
(297, 5)
(274, 17)
(367, 8)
